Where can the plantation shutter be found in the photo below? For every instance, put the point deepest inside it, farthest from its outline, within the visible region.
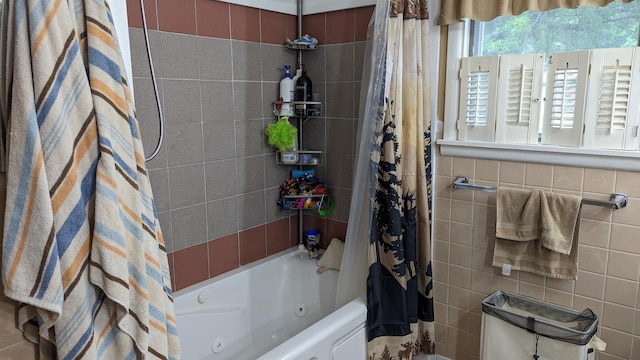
(614, 85)
(567, 75)
(519, 98)
(478, 86)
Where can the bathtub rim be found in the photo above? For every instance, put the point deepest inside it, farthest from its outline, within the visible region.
(231, 273)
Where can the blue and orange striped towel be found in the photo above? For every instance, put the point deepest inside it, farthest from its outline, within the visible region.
(83, 250)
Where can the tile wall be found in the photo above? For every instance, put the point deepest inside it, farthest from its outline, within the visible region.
(215, 180)
(608, 264)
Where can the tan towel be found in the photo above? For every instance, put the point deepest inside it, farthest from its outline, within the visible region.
(332, 258)
(535, 255)
(559, 218)
(518, 214)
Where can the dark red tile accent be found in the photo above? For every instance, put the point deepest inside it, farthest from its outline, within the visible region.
(334, 229)
(191, 265)
(178, 16)
(134, 14)
(340, 26)
(171, 270)
(277, 236)
(213, 19)
(252, 244)
(273, 27)
(223, 255)
(314, 25)
(363, 15)
(245, 23)
(292, 27)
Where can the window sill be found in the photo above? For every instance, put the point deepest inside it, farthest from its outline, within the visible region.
(543, 154)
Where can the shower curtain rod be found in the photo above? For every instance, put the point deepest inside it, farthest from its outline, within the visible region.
(617, 200)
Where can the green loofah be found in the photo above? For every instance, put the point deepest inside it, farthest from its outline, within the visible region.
(281, 134)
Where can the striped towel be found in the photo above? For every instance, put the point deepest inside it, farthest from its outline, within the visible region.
(83, 251)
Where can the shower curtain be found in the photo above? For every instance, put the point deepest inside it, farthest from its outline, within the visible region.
(391, 202)
(82, 249)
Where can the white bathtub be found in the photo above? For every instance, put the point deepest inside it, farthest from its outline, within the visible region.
(277, 308)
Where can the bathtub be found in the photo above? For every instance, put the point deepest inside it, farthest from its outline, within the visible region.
(277, 308)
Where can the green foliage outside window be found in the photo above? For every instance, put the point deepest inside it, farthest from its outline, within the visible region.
(614, 26)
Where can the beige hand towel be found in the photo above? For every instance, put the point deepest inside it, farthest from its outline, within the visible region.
(518, 214)
(559, 216)
(537, 232)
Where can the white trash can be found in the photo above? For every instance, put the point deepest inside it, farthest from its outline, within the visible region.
(518, 327)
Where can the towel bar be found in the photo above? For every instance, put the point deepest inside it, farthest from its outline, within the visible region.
(617, 201)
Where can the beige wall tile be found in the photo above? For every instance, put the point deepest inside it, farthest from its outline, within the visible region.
(441, 313)
(24, 350)
(487, 170)
(594, 233)
(590, 285)
(482, 282)
(532, 278)
(484, 215)
(599, 181)
(460, 255)
(623, 265)
(625, 238)
(620, 291)
(460, 276)
(482, 260)
(464, 167)
(501, 282)
(558, 297)
(475, 302)
(444, 165)
(440, 272)
(568, 178)
(461, 211)
(461, 233)
(458, 339)
(635, 348)
(485, 197)
(441, 250)
(441, 291)
(441, 230)
(483, 237)
(627, 182)
(561, 284)
(618, 343)
(511, 172)
(539, 175)
(636, 327)
(592, 259)
(9, 334)
(458, 318)
(459, 297)
(629, 214)
(581, 303)
(442, 186)
(442, 208)
(618, 317)
(535, 291)
(475, 324)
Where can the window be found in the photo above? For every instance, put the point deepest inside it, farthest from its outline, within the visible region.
(547, 85)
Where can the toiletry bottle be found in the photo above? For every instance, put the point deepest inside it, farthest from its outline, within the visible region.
(286, 92)
(303, 86)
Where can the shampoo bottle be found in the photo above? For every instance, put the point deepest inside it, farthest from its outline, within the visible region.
(304, 87)
(286, 92)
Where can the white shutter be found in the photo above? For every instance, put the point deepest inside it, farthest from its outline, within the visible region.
(567, 75)
(519, 98)
(614, 85)
(478, 86)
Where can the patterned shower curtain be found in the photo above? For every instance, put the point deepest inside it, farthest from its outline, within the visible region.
(399, 285)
